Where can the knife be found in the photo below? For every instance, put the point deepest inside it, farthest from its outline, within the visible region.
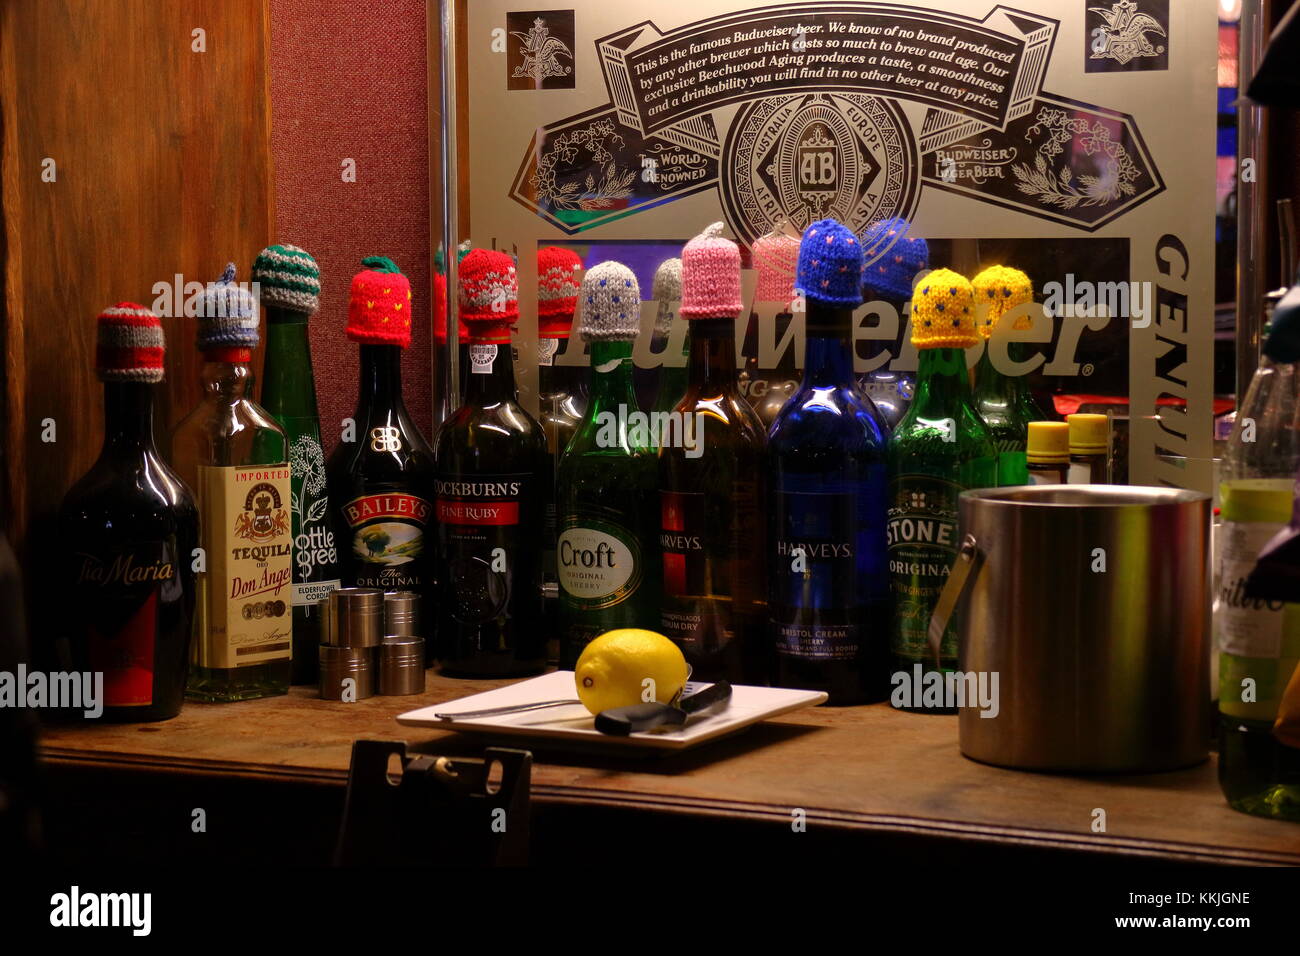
(621, 721)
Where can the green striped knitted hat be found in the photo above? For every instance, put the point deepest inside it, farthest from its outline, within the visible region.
(288, 278)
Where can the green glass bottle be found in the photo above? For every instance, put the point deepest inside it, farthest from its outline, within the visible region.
(671, 374)
(940, 448)
(608, 491)
(1003, 401)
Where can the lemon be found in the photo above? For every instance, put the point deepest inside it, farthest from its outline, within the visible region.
(616, 668)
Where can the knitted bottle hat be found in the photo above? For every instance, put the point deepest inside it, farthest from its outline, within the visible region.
(129, 346)
(227, 317)
(611, 304)
(489, 294)
(379, 304)
(998, 290)
(558, 281)
(892, 260)
(288, 278)
(711, 276)
(667, 291)
(943, 312)
(830, 264)
(776, 257)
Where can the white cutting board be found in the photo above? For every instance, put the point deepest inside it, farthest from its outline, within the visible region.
(572, 723)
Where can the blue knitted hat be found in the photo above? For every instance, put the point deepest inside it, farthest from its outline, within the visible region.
(893, 260)
(830, 264)
(227, 315)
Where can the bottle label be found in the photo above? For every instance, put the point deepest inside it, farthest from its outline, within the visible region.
(117, 596)
(1080, 473)
(1044, 477)
(922, 544)
(387, 539)
(599, 564)
(481, 358)
(488, 533)
(247, 535)
(825, 561)
(546, 350)
(315, 554)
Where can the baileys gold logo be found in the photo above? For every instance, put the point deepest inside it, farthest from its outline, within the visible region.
(263, 517)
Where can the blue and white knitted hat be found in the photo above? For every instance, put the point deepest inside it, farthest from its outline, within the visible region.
(227, 316)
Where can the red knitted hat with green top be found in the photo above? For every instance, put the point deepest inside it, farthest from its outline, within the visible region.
(379, 307)
(558, 282)
(489, 295)
(130, 345)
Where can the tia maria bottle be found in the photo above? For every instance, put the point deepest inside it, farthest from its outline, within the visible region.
(130, 527)
(608, 490)
(289, 281)
(493, 479)
(828, 602)
(710, 484)
(940, 448)
(381, 483)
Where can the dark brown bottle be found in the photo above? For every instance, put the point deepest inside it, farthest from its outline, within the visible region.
(130, 528)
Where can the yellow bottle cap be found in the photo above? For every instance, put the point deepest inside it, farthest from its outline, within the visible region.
(1089, 434)
(1049, 443)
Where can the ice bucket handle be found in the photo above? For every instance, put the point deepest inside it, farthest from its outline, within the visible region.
(964, 571)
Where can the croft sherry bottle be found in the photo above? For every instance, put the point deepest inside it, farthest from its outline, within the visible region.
(828, 602)
(236, 455)
(130, 527)
(493, 478)
(608, 483)
(710, 482)
(290, 287)
(940, 448)
(381, 483)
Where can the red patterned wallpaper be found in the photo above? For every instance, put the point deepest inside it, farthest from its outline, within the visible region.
(349, 81)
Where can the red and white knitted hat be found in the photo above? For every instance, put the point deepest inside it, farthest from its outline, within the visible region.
(559, 274)
(489, 288)
(379, 304)
(129, 346)
(711, 276)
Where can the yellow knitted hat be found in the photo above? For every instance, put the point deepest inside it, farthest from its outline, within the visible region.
(999, 289)
(943, 313)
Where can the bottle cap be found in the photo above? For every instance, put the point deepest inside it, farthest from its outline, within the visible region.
(1089, 434)
(129, 345)
(775, 256)
(379, 304)
(288, 278)
(892, 260)
(611, 304)
(998, 290)
(830, 265)
(227, 316)
(489, 295)
(1049, 443)
(559, 273)
(943, 313)
(711, 276)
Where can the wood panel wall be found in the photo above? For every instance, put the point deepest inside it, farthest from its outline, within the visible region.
(163, 164)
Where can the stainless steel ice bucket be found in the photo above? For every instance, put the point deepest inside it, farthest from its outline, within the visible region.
(1091, 603)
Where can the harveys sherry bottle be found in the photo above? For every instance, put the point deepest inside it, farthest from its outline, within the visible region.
(381, 482)
(493, 478)
(130, 527)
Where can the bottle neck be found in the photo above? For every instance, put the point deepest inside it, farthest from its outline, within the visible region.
(828, 359)
(227, 375)
(713, 353)
(288, 386)
(491, 369)
(381, 380)
(128, 417)
(992, 384)
(941, 382)
(611, 377)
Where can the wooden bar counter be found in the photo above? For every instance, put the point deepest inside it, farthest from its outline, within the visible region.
(270, 776)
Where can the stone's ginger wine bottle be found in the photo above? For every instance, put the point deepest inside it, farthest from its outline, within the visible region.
(710, 484)
(609, 481)
(493, 477)
(671, 340)
(289, 283)
(1259, 640)
(827, 482)
(130, 528)
(381, 482)
(1003, 401)
(941, 448)
(891, 262)
(236, 457)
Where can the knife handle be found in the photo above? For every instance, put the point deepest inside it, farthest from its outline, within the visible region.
(621, 721)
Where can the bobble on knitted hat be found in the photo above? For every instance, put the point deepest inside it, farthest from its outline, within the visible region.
(943, 312)
(227, 316)
(611, 304)
(558, 281)
(711, 276)
(288, 278)
(129, 345)
(830, 264)
(489, 287)
(892, 260)
(998, 290)
(776, 257)
(667, 292)
(379, 304)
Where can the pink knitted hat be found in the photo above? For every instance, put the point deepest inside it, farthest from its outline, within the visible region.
(775, 257)
(711, 276)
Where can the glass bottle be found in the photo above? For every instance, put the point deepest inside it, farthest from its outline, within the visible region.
(1003, 401)
(130, 528)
